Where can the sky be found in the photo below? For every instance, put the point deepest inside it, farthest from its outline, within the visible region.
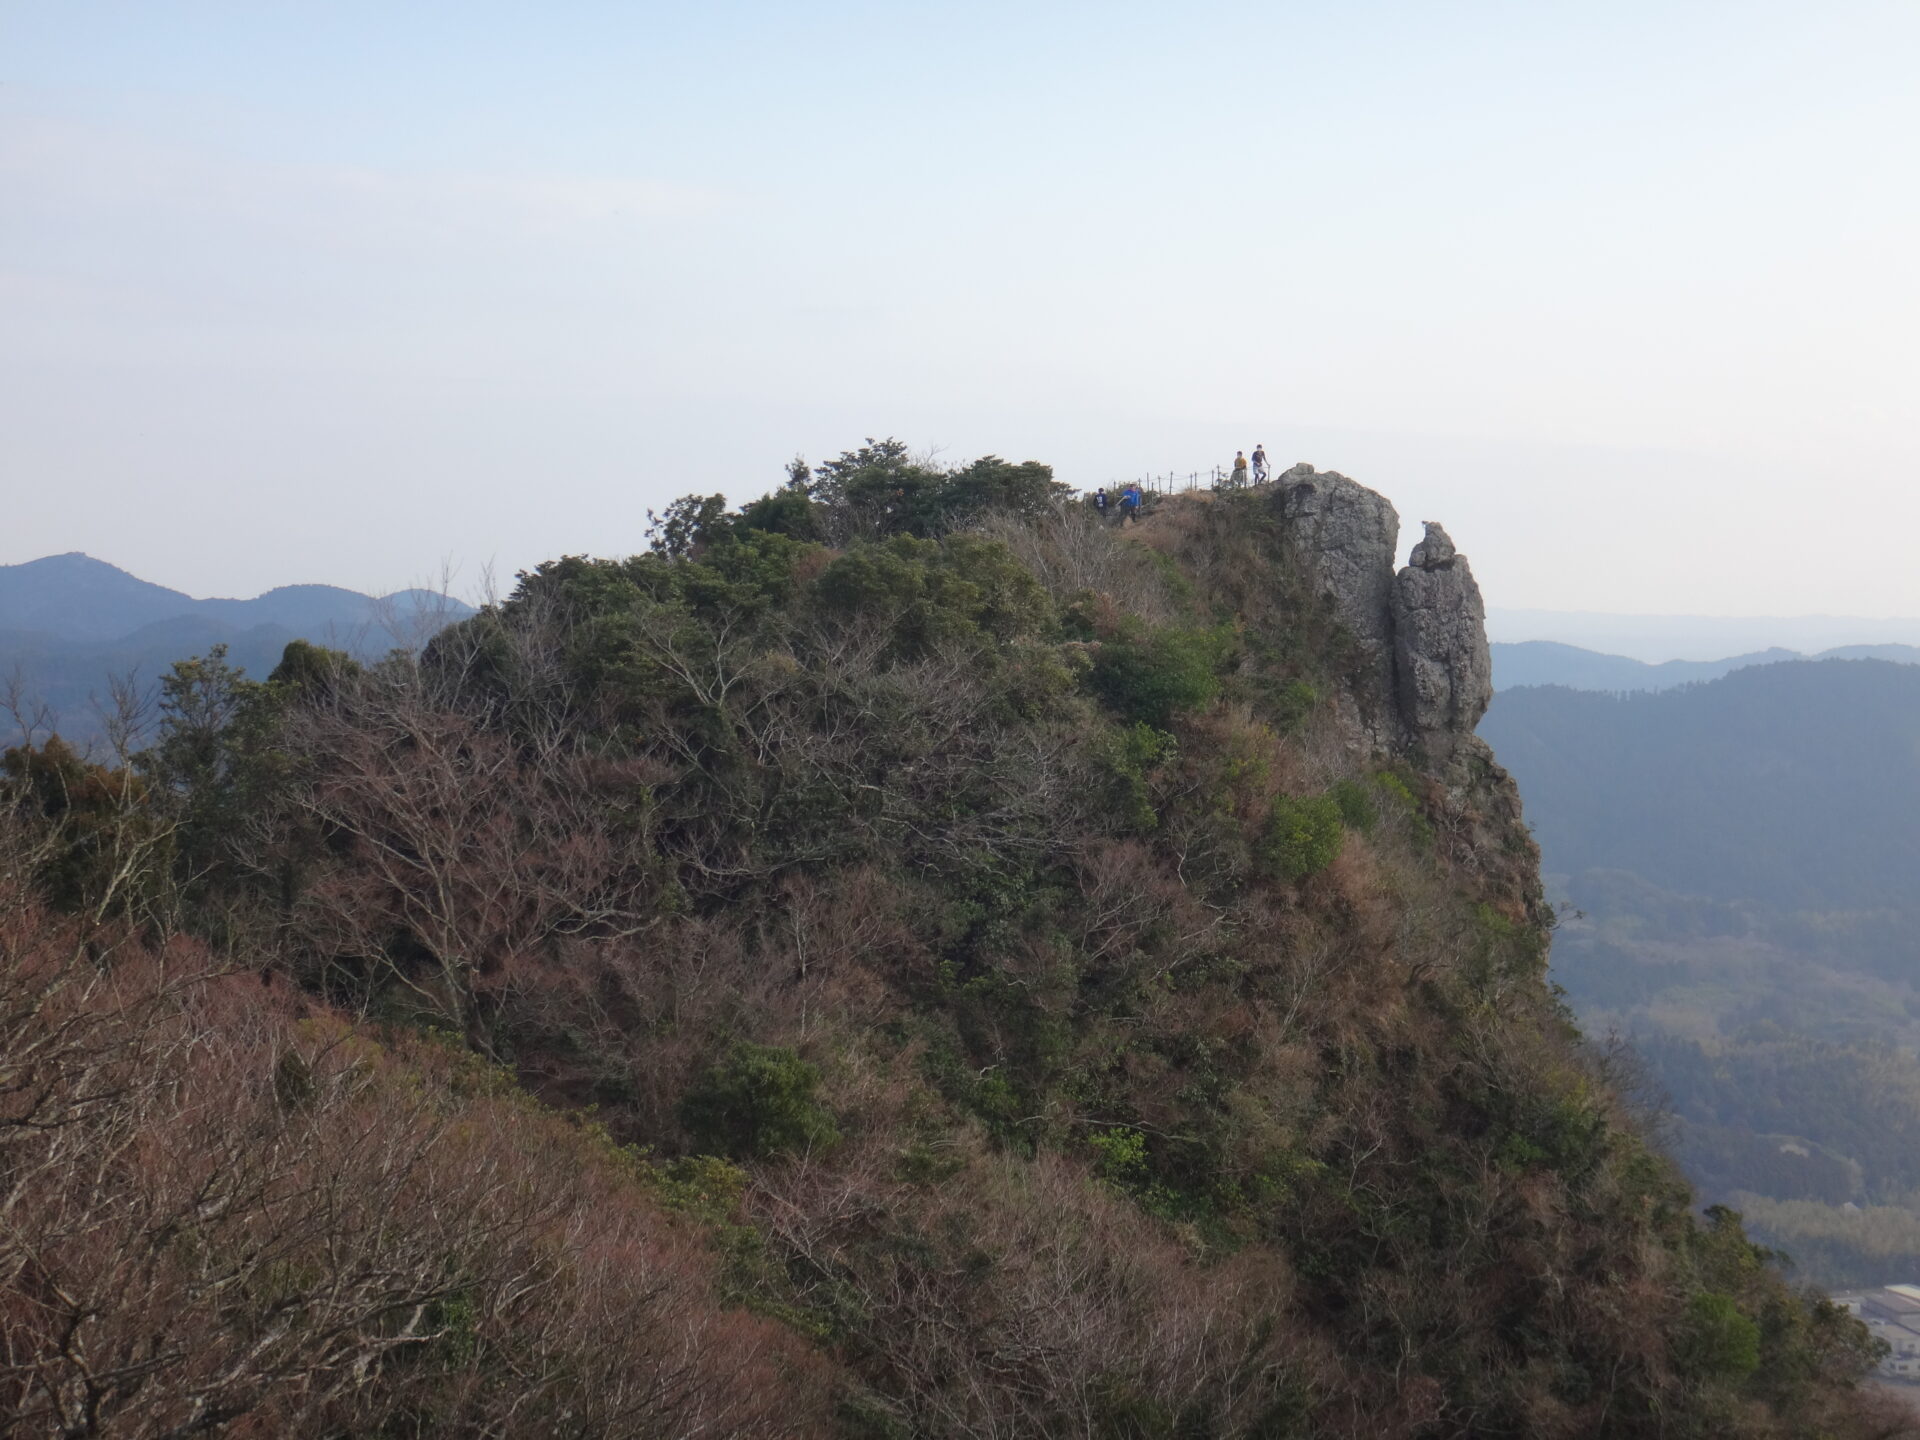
(371, 294)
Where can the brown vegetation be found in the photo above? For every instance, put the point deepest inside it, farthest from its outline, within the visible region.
(1035, 1018)
(228, 1210)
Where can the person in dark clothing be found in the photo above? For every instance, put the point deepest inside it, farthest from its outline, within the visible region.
(1100, 502)
(1259, 464)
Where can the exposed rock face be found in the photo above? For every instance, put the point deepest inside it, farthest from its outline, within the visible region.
(1347, 535)
(1433, 551)
(1428, 674)
(1443, 670)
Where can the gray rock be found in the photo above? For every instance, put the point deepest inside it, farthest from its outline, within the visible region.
(1345, 537)
(1425, 674)
(1435, 551)
(1443, 670)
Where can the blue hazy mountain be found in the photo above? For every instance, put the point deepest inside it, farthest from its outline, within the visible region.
(71, 626)
(1548, 662)
(75, 597)
(1699, 637)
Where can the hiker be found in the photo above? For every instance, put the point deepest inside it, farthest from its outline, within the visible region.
(1239, 470)
(1129, 503)
(1260, 471)
(1100, 502)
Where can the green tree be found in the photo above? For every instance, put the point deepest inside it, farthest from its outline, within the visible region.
(103, 850)
(1302, 836)
(1715, 1341)
(1150, 674)
(759, 1101)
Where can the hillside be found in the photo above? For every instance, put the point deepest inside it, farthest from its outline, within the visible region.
(903, 958)
(1736, 863)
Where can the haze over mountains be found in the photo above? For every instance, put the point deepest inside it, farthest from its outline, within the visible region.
(70, 625)
(1735, 866)
(1548, 662)
(1657, 638)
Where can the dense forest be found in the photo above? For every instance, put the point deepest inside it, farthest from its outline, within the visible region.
(901, 958)
(1734, 863)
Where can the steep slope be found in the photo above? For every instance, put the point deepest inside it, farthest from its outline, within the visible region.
(1090, 982)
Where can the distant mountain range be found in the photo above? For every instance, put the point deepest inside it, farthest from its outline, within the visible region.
(1736, 865)
(1698, 637)
(70, 625)
(1548, 662)
(75, 597)
(1785, 787)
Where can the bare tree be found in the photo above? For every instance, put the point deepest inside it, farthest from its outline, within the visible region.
(211, 1213)
(451, 856)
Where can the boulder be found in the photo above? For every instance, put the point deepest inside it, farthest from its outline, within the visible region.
(1435, 550)
(1443, 670)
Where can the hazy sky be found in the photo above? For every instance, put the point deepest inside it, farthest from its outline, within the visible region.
(1625, 293)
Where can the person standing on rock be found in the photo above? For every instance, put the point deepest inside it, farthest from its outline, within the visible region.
(1239, 470)
(1260, 464)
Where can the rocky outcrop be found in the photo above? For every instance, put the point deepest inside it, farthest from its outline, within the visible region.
(1346, 536)
(1443, 670)
(1426, 674)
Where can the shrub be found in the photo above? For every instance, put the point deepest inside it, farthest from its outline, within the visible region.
(313, 667)
(1123, 1155)
(1302, 837)
(1127, 754)
(1293, 704)
(759, 1101)
(962, 588)
(1150, 675)
(1398, 799)
(1715, 1341)
(1356, 806)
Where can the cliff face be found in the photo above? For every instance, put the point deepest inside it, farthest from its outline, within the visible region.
(1422, 673)
(1427, 674)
